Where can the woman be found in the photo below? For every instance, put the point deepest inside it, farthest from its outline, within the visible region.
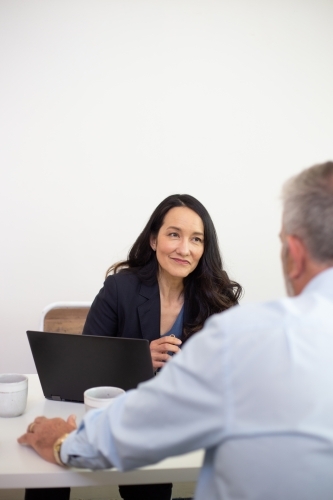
(172, 281)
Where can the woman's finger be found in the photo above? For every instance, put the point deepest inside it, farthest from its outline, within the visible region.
(168, 339)
(165, 348)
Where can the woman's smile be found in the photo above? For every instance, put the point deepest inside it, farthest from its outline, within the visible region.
(180, 261)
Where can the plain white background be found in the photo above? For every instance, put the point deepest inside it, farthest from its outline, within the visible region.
(108, 106)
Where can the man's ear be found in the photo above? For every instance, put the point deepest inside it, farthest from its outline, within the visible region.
(297, 257)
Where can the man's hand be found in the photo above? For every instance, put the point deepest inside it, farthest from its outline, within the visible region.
(159, 349)
(43, 432)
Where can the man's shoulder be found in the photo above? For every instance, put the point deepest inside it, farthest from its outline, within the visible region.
(253, 316)
(275, 314)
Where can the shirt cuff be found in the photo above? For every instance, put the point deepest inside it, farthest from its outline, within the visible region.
(76, 451)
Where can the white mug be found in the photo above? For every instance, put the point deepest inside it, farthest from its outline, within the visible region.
(13, 394)
(98, 397)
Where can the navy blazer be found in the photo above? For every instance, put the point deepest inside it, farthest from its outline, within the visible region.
(126, 307)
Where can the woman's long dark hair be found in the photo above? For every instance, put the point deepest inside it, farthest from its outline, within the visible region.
(208, 288)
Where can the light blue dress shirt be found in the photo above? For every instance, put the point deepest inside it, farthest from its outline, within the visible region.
(254, 388)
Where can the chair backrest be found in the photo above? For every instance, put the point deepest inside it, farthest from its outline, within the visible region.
(64, 317)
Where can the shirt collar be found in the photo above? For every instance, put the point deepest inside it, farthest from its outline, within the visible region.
(322, 282)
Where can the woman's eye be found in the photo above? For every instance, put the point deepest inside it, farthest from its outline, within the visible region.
(197, 239)
(174, 235)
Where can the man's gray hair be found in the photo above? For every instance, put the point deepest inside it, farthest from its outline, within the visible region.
(308, 210)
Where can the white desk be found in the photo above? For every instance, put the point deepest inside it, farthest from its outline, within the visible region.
(21, 467)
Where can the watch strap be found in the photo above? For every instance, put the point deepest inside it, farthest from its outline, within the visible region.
(57, 448)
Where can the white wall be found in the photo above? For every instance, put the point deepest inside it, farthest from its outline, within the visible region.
(106, 107)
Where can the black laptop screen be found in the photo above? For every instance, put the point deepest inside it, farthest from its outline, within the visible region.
(68, 364)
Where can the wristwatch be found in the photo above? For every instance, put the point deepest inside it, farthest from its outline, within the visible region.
(57, 448)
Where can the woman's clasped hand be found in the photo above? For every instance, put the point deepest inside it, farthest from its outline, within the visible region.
(162, 349)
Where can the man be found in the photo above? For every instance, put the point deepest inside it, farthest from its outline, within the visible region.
(254, 388)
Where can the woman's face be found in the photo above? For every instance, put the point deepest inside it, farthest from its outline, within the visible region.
(179, 244)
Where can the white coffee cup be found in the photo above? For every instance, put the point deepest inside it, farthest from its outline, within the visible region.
(13, 394)
(98, 397)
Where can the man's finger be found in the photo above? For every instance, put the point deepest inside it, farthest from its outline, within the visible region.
(38, 420)
(25, 438)
(72, 420)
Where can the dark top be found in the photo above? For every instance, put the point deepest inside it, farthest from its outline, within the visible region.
(177, 327)
(127, 307)
(176, 330)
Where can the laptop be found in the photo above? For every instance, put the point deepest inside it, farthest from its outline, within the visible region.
(68, 364)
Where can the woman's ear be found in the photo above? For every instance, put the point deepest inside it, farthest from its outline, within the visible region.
(153, 243)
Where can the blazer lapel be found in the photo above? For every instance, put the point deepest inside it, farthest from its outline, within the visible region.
(150, 312)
